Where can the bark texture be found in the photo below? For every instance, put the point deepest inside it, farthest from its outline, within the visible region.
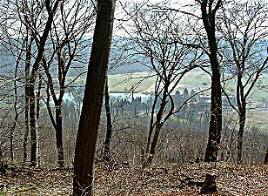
(266, 157)
(215, 125)
(93, 97)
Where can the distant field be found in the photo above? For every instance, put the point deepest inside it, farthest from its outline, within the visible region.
(137, 82)
(259, 119)
(143, 82)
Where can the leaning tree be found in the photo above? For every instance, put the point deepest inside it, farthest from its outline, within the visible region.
(93, 97)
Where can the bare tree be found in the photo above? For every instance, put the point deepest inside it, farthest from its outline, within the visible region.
(209, 9)
(30, 14)
(9, 48)
(15, 42)
(154, 38)
(207, 39)
(67, 40)
(244, 31)
(93, 97)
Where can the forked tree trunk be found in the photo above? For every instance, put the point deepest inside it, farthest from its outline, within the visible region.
(34, 73)
(93, 97)
(151, 127)
(57, 123)
(158, 125)
(153, 146)
(109, 128)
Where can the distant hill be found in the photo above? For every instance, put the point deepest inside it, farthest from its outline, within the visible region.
(121, 59)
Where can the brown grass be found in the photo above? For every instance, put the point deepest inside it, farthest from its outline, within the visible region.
(122, 181)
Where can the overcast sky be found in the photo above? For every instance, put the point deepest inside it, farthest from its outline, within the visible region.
(177, 4)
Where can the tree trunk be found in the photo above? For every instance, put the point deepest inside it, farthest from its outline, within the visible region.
(266, 157)
(27, 128)
(158, 126)
(12, 134)
(27, 92)
(13, 127)
(242, 122)
(57, 123)
(93, 97)
(38, 98)
(108, 138)
(215, 125)
(1, 153)
(33, 125)
(153, 146)
(59, 136)
(32, 78)
(151, 127)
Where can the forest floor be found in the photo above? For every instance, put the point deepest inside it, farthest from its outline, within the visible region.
(121, 180)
